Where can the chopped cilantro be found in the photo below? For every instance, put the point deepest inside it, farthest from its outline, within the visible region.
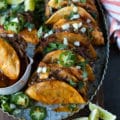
(82, 65)
(72, 107)
(56, 1)
(85, 74)
(80, 85)
(29, 25)
(54, 46)
(72, 83)
(83, 1)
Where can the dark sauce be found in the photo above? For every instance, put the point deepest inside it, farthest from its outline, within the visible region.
(19, 46)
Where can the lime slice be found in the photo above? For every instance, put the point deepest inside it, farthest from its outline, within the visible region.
(94, 115)
(29, 5)
(14, 2)
(103, 114)
(82, 118)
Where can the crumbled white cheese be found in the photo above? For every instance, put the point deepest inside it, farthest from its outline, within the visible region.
(75, 9)
(88, 20)
(39, 70)
(83, 29)
(65, 26)
(80, 24)
(65, 41)
(44, 69)
(77, 43)
(76, 16)
(75, 26)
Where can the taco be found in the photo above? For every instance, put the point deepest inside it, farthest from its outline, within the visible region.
(71, 59)
(68, 13)
(67, 40)
(54, 92)
(85, 28)
(88, 5)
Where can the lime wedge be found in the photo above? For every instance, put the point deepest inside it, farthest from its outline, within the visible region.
(82, 118)
(103, 114)
(29, 5)
(14, 2)
(94, 115)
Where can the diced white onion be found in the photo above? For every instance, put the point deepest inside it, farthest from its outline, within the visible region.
(75, 0)
(80, 25)
(39, 70)
(75, 9)
(48, 34)
(88, 21)
(65, 41)
(65, 26)
(10, 35)
(76, 16)
(77, 43)
(44, 69)
(83, 29)
(78, 67)
(75, 26)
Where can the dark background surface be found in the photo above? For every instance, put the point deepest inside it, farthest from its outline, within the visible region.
(111, 85)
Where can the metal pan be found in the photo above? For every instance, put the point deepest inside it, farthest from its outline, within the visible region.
(100, 71)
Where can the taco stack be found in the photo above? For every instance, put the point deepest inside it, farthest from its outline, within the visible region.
(67, 49)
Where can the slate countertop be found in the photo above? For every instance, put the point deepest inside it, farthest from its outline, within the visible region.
(111, 83)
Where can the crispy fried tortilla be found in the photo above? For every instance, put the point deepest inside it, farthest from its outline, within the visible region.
(30, 36)
(92, 33)
(66, 12)
(72, 37)
(54, 92)
(89, 5)
(85, 49)
(53, 57)
(9, 60)
(62, 73)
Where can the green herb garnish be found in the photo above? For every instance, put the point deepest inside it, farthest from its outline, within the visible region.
(30, 26)
(3, 4)
(12, 26)
(80, 85)
(56, 1)
(69, 16)
(83, 1)
(54, 46)
(83, 65)
(72, 83)
(72, 107)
